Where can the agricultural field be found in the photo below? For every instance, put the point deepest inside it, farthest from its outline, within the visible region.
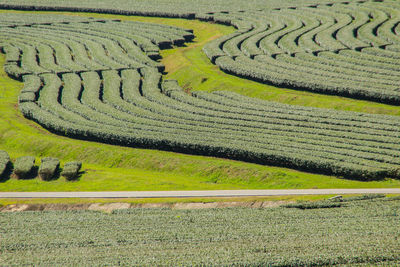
(132, 95)
(358, 231)
(106, 85)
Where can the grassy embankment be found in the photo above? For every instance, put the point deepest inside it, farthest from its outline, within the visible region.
(121, 168)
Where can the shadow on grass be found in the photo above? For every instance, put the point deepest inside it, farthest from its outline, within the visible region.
(29, 176)
(76, 178)
(7, 173)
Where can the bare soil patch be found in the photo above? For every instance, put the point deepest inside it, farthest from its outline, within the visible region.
(109, 207)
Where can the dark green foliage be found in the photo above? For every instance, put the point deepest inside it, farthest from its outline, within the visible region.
(4, 163)
(277, 34)
(363, 197)
(315, 205)
(71, 170)
(48, 168)
(24, 167)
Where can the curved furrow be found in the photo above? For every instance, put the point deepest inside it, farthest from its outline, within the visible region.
(308, 40)
(327, 38)
(92, 90)
(348, 35)
(270, 44)
(329, 30)
(52, 55)
(290, 42)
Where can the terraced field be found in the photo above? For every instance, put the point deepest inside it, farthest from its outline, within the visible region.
(100, 80)
(348, 49)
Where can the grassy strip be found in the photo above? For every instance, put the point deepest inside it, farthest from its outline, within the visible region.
(116, 168)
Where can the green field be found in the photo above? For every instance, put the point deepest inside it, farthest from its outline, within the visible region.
(139, 169)
(362, 232)
(201, 95)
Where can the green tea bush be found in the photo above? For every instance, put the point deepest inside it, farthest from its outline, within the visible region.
(48, 168)
(24, 167)
(205, 237)
(71, 170)
(94, 80)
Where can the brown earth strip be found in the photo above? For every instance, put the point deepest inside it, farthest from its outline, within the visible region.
(109, 207)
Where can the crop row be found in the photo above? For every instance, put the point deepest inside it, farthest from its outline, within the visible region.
(83, 46)
(340, 42)
(131, 109)
(275, 30)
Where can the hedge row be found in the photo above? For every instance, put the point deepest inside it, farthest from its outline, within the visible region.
(24, 167)
(60, 47)
(178, 143)
(287, 75)
(167, 118)
(347, 28)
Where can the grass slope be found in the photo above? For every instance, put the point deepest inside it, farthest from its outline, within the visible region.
(116, 168)
(360, 232)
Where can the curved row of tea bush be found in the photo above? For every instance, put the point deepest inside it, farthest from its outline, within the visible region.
(366, 27)
(130, 108)
(295, 47)
(69, 46)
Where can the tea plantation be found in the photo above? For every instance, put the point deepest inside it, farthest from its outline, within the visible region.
(364, 232)
(99, 80)
(287, 94)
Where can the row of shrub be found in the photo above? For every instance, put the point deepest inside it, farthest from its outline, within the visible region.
(24, 168)
(135, 111)
(62, 46)
(280, 53)
(246, 20)
(285, 75)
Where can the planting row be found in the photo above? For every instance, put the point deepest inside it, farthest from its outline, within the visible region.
(128, 107)
(348, 49)
(70, 46)
(302, 39)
